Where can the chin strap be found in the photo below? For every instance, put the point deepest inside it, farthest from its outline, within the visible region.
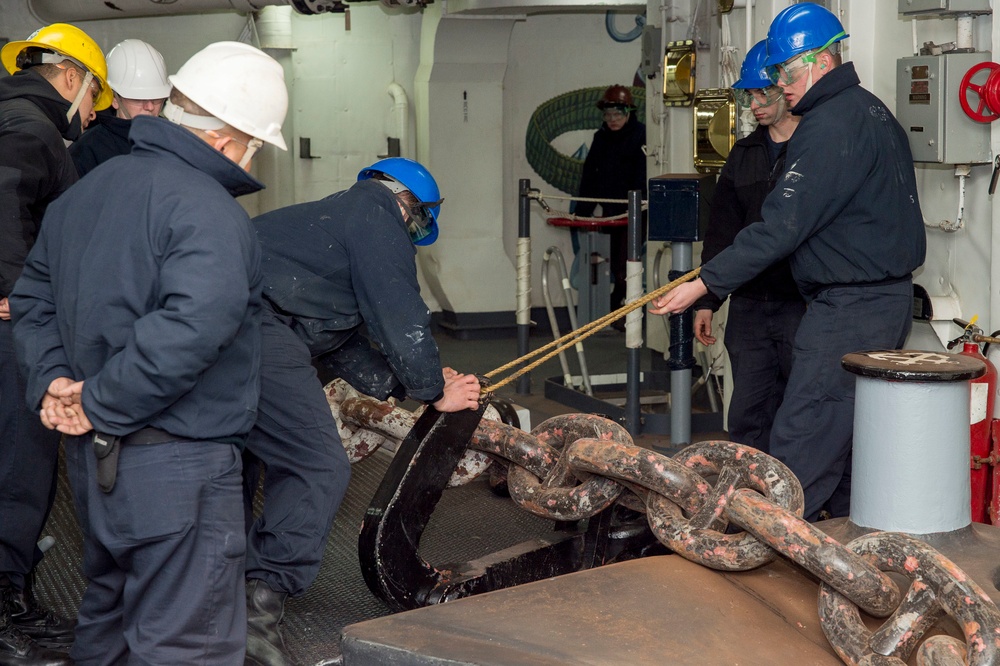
(84, 90)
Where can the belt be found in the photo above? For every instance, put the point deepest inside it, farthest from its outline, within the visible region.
(149, 435)
(107, 448)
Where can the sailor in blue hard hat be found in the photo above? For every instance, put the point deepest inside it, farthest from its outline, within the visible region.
(803, 44)
(845, 212)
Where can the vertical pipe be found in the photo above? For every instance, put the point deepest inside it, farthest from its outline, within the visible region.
(523, 280)
(749, 27)
(963, 38)
(681, 354)
(633, 321)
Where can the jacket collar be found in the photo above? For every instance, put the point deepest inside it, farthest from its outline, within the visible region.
(164, 138)
(838, 80)
(114, 124)
(28, 84)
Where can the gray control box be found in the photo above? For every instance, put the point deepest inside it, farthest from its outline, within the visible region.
(928, 108)
(944, 6)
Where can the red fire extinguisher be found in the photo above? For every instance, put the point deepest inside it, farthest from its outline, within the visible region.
(985, 495)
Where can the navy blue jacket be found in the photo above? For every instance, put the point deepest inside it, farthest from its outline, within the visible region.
(347, 260)
(615, 164)
(145, 282)
(746, 180)
(34, 165)
(107, 137)
(846, 208)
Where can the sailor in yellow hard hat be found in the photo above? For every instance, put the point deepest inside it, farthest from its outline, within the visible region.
(77, 67)
(59, 79)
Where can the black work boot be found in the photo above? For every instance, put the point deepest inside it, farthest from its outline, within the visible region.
(16, 649)
(39, 624)
(265, 607)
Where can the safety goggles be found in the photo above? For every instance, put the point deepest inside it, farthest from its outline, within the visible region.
(421, 221)
(791, 71)
(615, 114)
(763, 97)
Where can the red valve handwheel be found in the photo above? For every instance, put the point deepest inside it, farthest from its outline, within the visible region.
(988, 93)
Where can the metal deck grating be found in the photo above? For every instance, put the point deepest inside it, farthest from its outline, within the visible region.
(469, 522)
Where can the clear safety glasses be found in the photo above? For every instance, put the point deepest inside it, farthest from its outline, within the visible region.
(615, 114)
(795, 68)
(789, 72)
(251, 149)
(763, 97)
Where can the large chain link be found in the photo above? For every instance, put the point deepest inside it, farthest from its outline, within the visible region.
(572, 467)
(366, 424)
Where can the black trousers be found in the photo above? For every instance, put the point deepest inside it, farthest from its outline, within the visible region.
(28, 456)
(306, 469)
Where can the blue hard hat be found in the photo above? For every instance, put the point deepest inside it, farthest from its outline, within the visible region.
(418, 180)
(753, 73)
(800, 28)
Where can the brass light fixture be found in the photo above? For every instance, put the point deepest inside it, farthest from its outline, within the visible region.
(679, 73)
(714, 128)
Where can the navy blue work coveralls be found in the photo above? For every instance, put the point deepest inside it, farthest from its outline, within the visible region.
(145, 283)
(329, 267)
(105, 138)
(846, 213)
(764, 313)
(34, 169)
(615, 164)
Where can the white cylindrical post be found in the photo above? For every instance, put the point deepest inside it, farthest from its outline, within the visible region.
(911, 440)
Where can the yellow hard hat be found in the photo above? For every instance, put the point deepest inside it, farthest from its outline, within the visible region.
(69, 41)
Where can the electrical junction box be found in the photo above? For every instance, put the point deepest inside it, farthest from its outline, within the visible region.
(679, 205)
(944, 6)
(928, 108)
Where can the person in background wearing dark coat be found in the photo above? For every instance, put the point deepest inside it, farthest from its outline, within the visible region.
(59, 79)
(138, 79)
(764, 313)
(615, 165)
(137, 323)
(332, 267)
(846, 212)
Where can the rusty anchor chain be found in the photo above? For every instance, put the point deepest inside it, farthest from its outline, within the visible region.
(366, 424)
(574, 466)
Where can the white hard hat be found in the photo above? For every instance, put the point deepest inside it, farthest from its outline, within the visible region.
(238, 84)
(136, 71)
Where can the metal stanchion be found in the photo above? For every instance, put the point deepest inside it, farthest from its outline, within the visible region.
(681, 353)
(633, 321)
(524, 280)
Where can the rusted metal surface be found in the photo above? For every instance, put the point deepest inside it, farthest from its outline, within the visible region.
(365, 424)
(938, 586)
(942, 651)
(814, 551)
(549, 488)
(700, 538)
(359, 441)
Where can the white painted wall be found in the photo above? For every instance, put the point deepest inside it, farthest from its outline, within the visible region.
(550, 55)
(339, 77)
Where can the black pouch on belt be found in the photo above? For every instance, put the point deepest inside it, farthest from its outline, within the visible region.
(106, 448)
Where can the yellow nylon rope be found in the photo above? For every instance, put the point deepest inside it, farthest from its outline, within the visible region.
(581, 334)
